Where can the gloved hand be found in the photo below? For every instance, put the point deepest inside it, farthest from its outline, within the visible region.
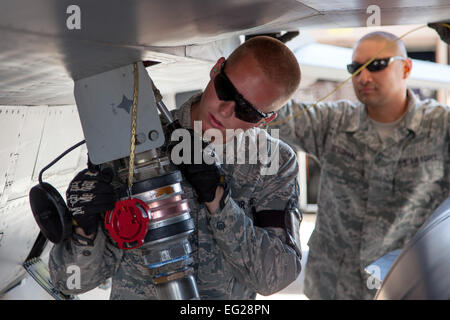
(442, 30)
(89, 194)
(204, 177)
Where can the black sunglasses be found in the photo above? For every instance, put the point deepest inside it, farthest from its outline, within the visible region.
(374, 66)
(243, 109)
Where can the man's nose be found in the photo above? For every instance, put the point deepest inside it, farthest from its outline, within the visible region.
(226, 108)
(364, 76)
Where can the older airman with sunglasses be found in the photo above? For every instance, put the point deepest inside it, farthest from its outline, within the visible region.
(384, 168)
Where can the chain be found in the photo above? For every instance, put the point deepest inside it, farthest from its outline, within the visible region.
(133, 128)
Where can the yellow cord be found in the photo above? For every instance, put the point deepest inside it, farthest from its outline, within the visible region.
(388, 45)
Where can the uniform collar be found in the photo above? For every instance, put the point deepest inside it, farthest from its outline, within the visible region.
(183, 114)
(412, 120)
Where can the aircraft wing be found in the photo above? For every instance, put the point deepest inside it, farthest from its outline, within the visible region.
(47, 43)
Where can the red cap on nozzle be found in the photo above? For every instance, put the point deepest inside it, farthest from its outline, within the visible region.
(128, 223)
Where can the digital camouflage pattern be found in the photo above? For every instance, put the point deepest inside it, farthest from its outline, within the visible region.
(372, 199)
(233, 259)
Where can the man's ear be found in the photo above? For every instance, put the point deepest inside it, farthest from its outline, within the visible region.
(267, 120)
(407, 66)
(216, 68)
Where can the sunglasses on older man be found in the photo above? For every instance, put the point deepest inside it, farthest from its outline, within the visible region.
(243, 109)
(374, 66)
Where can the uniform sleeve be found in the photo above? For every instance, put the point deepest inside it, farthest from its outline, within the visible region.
(77, 269)
(304, 127)
(264, 259)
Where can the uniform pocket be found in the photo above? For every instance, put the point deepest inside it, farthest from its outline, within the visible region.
(414, 172)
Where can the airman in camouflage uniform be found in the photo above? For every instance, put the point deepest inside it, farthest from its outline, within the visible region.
(235, 256)
(374, 192)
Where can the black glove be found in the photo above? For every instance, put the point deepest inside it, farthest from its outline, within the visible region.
(442, 30)
(89, 194)
(204, 177)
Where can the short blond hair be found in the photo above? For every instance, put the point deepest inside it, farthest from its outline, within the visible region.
(276, 60)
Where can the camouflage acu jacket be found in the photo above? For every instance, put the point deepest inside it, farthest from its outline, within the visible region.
(233, 259)
(372, 199)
